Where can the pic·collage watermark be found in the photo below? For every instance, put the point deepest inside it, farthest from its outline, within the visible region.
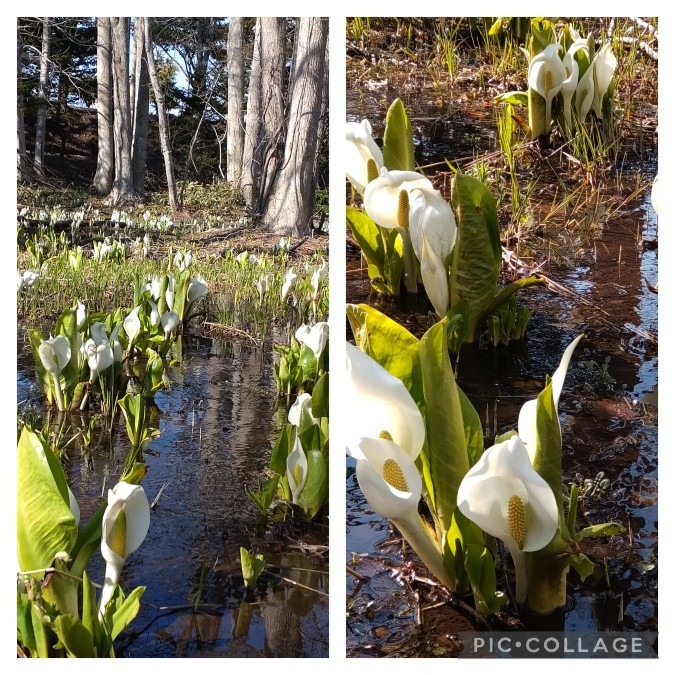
(560, 645)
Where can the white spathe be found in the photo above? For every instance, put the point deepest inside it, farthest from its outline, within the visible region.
(504, 472)
(381, 197)
(527, 419)
(379, 402)
(54, 354)
(361, 148)
(124, 527)
(315, 337)
(296, 469)
(546, 76)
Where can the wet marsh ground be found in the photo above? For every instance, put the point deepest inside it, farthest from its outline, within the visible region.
(590, 229)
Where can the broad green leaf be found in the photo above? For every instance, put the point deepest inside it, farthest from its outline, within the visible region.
(446, 442)
(393, 259)
(477, 255)
(251, 566)
(390, 344)
(45, 524)
(608, 529)
(308, 364)
(125, 614)
(506, 293)
(320, 397)
(500, 438)
(397, 149)
(315, 492)
(74, 637)
(264, 497)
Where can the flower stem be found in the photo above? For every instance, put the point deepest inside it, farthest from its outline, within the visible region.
(58, 392)
(409, 276)
(417, 534)
(521, 574)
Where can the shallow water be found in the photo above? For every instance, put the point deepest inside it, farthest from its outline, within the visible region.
(217, 424)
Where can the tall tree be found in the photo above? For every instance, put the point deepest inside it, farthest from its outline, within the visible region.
(235, 100)
(103, 180)
(289, 206)
(272, 60)
(123, 185)
(43, 96)
(251, 162)
(164, 135)
(140, 97)
(21, 159)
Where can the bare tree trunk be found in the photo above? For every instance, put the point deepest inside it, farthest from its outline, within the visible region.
(289, 207)
(164, 135)
(141, 107)
(123, 186)
(251, 161)
(322, 131)
(43, 95)
(272, 58)
(105, 163)
(21, 159)
(235, 100)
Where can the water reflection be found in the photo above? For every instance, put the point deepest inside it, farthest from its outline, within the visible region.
(217, 424)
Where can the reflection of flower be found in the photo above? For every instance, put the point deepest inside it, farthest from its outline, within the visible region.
(508, 499)
(361, 149)
(296, 469)
(527, 420)
(125, 524)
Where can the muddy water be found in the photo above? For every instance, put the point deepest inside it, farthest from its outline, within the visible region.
(608, 409)
(217, 423)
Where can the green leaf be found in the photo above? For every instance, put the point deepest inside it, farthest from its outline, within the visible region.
(393, 259)
(369, 238)
(398, 150)
(320, 397)
(87, 542)
(477, 255)
(446, 442)
(45, 523)
(42, 637)
(125, 614)
(480, 567)
(608, 529)
(513, 97)
(74, 637)
(282, 447)
(315, 492)
(264, 496)
(582, 564)
(61, 591)
(473, 429)
(90, 618)
(548, 454)
(390, 344)
(251, 566)
(24, 622)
